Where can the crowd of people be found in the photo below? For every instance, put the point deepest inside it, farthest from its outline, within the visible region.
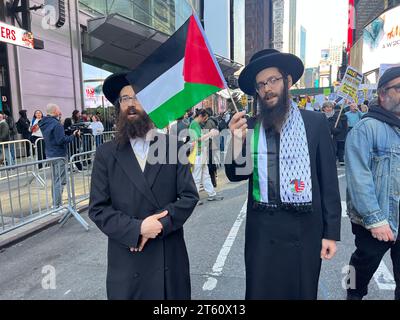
(29, 130)
(289, 157)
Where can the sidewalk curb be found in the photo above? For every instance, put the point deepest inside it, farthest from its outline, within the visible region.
(20, 234)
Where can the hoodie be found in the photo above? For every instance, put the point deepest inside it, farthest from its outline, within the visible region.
(54, 136)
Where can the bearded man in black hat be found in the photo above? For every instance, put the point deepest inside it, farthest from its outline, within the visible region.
(141, 204)
(293, 208)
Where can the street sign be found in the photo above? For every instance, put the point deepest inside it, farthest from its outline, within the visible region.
(16, 36)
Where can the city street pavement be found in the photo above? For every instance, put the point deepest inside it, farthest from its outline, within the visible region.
(215, 241)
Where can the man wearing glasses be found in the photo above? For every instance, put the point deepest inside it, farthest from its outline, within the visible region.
(141, 204)
(293, 208)
(373, 184)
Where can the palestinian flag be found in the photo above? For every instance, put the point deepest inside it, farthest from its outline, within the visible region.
(179, 74)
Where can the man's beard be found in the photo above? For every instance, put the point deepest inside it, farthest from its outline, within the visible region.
(132, 128)
(274, 117)
(393, 107)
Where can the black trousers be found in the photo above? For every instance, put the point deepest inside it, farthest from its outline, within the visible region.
(340, 150)
(212, 170)
(368, 256)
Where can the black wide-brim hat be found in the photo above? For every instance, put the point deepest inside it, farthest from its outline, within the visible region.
(113, 85)
(269, 58)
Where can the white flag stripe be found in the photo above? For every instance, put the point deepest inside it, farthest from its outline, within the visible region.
(163, 88)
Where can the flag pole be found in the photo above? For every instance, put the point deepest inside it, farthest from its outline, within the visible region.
(233, 101)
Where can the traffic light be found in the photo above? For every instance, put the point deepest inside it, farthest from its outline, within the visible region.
(316, 83)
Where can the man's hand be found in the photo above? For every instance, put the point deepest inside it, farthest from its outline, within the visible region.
(328, 250)
(383, 233)
(151, 227)
(238, 125)
(77, 133)
(238, 128)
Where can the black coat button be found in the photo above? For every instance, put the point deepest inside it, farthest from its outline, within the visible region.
(136, 275)
(272, 242)
(166, 269)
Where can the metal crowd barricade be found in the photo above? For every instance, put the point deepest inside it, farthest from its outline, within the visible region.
(108, 136)
(39, 148)
(80, 168)
(24, 199)
(26, 181)
(17, 152)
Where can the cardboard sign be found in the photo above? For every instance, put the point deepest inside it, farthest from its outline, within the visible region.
(350, 84)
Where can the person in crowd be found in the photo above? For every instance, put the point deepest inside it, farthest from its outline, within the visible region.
(141, 205)
(364, 109)
(338, 129)
(23, 125)
(199, 141)
(36, 134)
(74, 147)
(213, 147)
(5, 154)
(13, 131)
(293, 206)
(97, 130)
(56, 143)
(353, 116)
(373, 186)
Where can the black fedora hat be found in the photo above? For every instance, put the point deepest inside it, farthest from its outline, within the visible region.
(113, 85)
(269, 58)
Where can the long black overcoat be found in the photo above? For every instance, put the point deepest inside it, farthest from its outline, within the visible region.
(121, 197)
(282, 249)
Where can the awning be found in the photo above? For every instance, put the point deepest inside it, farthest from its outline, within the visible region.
(122, 41)
(236, 94)
(228, 67)
(127, 43)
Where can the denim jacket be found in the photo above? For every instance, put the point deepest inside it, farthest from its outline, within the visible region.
(373, 174)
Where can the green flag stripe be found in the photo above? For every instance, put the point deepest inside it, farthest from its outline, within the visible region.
(254, 148)
(176, 107)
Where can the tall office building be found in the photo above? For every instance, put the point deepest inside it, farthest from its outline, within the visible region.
(259, 26)
(292, 26)
(303, 44)
(278, 18)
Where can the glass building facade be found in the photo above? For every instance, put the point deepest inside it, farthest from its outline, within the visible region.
(163, 15)
(238, 38)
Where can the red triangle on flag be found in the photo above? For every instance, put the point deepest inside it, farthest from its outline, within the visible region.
(200, 67)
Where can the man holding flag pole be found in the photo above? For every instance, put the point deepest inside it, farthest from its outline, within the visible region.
(293, 207)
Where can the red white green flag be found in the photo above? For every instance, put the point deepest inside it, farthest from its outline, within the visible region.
(179, 74)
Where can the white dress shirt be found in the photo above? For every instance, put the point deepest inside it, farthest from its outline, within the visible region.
(141, 149)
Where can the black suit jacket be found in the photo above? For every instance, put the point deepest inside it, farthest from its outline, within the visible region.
(121, 197)
(326, 196)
